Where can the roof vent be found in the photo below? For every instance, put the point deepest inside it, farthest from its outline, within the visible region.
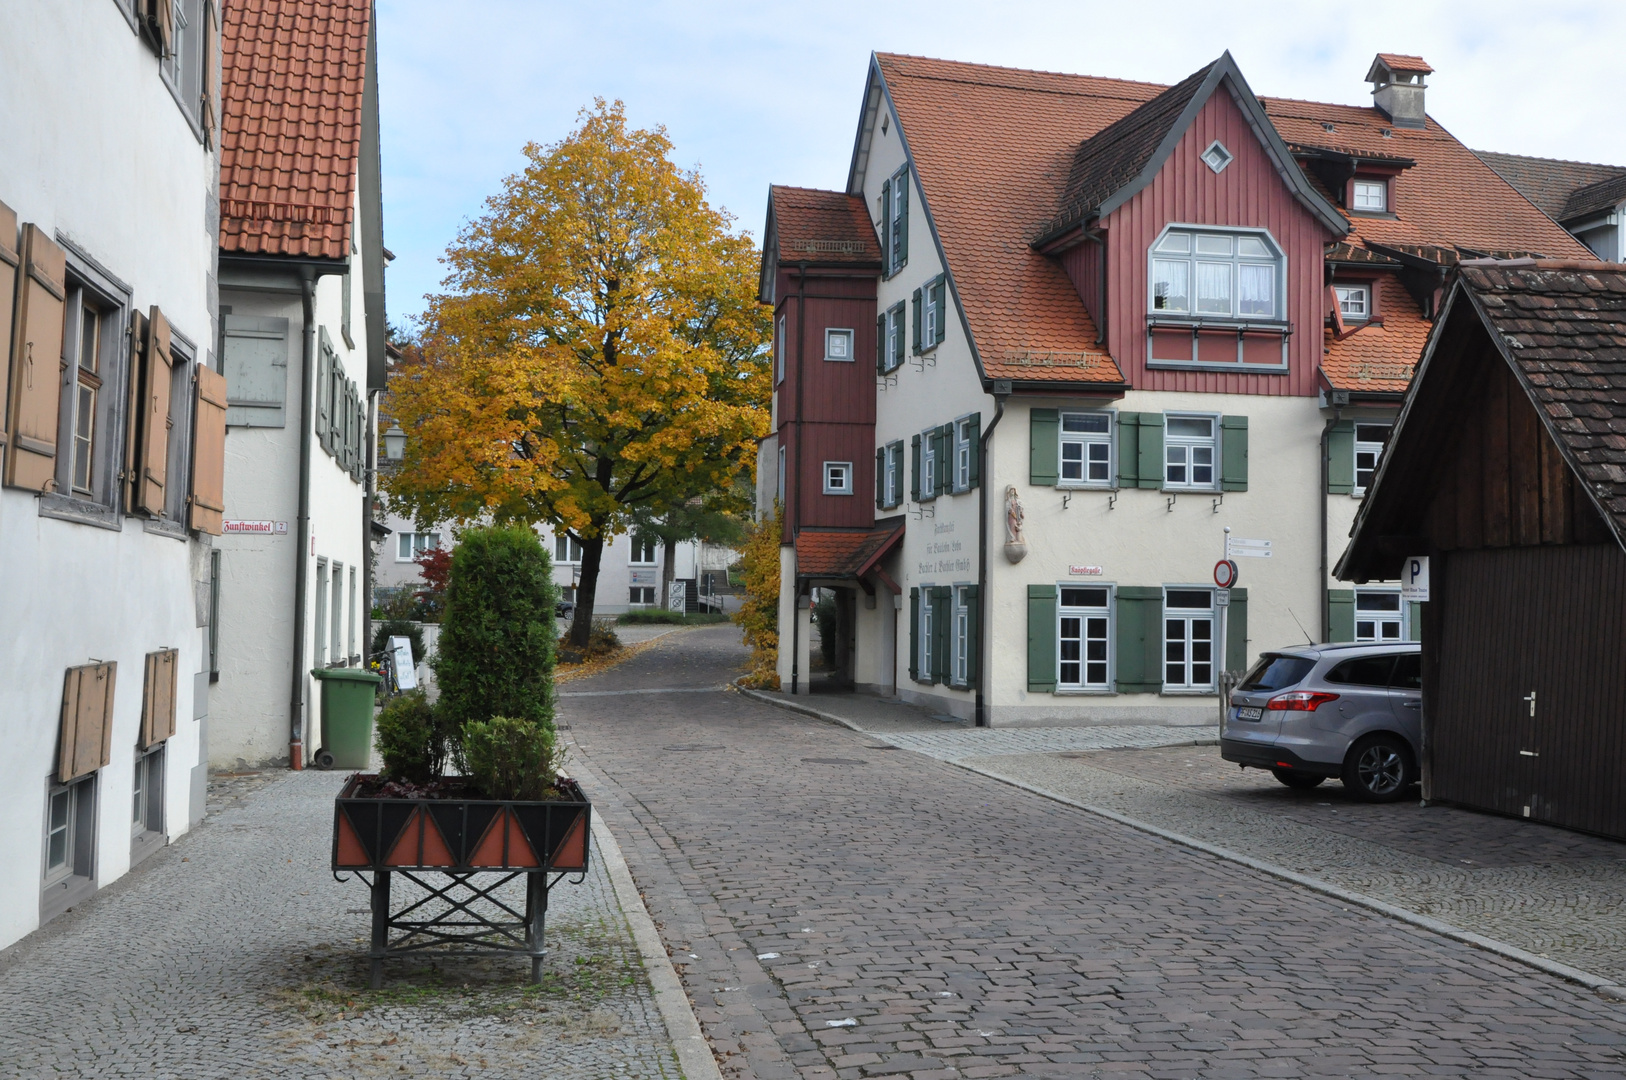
(1397, 87)
(1216, 157)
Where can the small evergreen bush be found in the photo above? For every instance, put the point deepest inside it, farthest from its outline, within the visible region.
(412, 739)
(512, 758)
(496, 651)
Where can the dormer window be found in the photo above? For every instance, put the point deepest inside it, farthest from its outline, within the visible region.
(1369, 196)
(1354, 302)
(1233, 275)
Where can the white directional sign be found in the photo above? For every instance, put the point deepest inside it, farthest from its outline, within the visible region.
(406, 676)
(1237, 548)
(1414, 579)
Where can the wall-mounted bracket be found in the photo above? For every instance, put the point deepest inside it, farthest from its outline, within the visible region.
(1170, 506)
(1066, 497)
(924, 510)
(1219, 502)
(1112, 500)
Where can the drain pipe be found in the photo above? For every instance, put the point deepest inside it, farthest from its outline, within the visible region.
(296, 698)
(796, 526)
(1002, 391)
(1326, 479)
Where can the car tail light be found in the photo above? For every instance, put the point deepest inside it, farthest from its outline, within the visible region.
(1300, 701)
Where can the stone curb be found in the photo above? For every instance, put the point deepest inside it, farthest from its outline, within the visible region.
(693, 1053)
(1602, 986)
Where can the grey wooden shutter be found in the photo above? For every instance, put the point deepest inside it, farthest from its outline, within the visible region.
(973, 629)
(1041, 638)
(1341, 458)
(914, 472)
(1236, 631)
(974, 422)
(207, 505)
(880, 478)
(10, 257)
(324, 390)
(914, 304)
(36, 363)
(1044, 447)
(1233, 453)
(886, 228)
(153, 469)
(1128, 448)
(1150, 470)
(255, 360)
(1340, 614)
(1138, 615)
(914, 634)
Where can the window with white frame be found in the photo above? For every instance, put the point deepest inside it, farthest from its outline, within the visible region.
(923, 640)
(1188, 639)
(147, 794)
(1086, 448)
(838, 345)
(1370, 440)
(893, 335)
(336, 616)
(892, 477)
(779, 352)
(643, 551)
(321, 613)
(838, 478)
(183, 67)
(897, 233)
(1354, 302)
(928, 463)
(961, 659)
(1233, 275)
(1190, 450)
(933, 301)
(1085, 617)
(1371, 196)
(87, 461)
(70, 831)
(409, 546)
(641, 596)
(566, 549)
(1379, 615)
(350, 624)
(965, 437)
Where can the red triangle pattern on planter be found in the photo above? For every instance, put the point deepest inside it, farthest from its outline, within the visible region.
(350, 852)
(572, 851)
(407, 852)
(490, 851)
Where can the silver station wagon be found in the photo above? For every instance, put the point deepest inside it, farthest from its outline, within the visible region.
(1315, 711)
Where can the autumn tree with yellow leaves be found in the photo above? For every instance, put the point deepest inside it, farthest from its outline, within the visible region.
(598, 355)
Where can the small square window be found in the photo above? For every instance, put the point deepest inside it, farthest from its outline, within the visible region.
(838, 478)
(1369, 442)
(838, 345)
(1354, 302)
(641, 596)
(1216, 157)
(1369, 195)
(1086, 448)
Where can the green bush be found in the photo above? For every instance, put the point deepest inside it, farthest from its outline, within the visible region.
(412, 739)
(512, 758)
(496, 650)
(663, 617)
(398, 628)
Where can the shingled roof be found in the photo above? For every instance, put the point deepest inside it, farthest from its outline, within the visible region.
(1596, 198)
(817, 227)
(291, 89)
(1548, 182)
(845, 553)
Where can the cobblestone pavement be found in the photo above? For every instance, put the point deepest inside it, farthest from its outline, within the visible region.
(1558, 894)
(953, 745)
(234, 953)
(840, 908)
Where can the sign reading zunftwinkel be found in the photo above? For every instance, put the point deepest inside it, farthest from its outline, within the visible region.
(262, 527)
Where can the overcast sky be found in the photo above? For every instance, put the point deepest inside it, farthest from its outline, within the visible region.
(763, 92)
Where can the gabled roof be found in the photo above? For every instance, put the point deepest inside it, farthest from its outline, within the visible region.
(1378, 357)
(1399, 62)
(1548, 182)
(845, 553)
(290, 143)
(1597, 198)
(818, 228)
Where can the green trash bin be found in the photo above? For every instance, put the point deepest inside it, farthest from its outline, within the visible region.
(347, 717)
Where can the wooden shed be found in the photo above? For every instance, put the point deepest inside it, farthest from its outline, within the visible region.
(1507, 469)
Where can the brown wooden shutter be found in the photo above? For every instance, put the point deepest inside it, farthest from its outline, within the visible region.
(36, 363)
(208, 502)
(133, 412)
(211, 46)
(159, 16)
(158, 698)
(155, 419)
(86, 741)
(9, 258)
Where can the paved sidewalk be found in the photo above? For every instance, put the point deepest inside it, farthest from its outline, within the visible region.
(235, 954)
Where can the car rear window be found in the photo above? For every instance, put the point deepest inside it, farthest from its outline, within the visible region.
(1363, 671)
(1276, 672)
(1408, 672)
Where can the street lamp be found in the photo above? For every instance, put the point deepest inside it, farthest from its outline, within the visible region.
(394, 443)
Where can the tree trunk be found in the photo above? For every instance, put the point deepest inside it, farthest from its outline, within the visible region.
(586, 589)
(668, 556)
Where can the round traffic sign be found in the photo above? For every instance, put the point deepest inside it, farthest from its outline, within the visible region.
(1225, 573)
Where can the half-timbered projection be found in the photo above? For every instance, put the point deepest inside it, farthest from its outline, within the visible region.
(1505, 474)
(1111, 319)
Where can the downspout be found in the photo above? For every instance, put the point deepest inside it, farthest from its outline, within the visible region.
(1321, 493)
(370, 472)
(796, 515)
(296, 699)
(982, 549)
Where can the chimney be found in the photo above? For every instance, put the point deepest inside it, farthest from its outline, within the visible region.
(1397, 87)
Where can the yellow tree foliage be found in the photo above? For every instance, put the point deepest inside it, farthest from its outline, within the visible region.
(758, 615)
(598, 353)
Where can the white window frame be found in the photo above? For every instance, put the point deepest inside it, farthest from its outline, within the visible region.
(897, 212)
(641, 596)
(147, 792)
(928, 465)
(1372, 188)
(780, 493)
(321, 613)
(567, 550)
(892, 479)
(960, 611)
(846, 485)
(1085, 440)
(1085, 614)
(1189, 642)
(1354, 302)
(643, 551)
(416, 543)
(336, 618)
(1193, 259)
(1191, 444)
(779, 353)
(835, 334)
(1377, 616)
(1366, 446)
(896, 338)
(962, 454)
(923, 643)
(933, 306)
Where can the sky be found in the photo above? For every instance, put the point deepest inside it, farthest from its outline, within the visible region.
(766, 92)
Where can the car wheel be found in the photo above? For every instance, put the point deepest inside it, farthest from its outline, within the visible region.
(1299, 781)
(1379, 768)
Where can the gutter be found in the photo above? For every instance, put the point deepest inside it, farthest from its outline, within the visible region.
(296, 698)
(1002, 391)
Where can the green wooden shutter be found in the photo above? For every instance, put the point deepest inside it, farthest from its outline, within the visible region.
(1149, 472)
(914, 634)
(1138, 615)
(1044, 447)
(942, 450)
(1414, 621)
(902, 241)
(886, 227)
(1128, 449)
(1341, 458)
(880, 345)
(897, 339)
(1340, 614)
(880, 478)
(973, 630)
(1042, 638)
(914, 472)
(975, 423)
(1233, 453)
(914, 342)
(939, 293)
(942, 632)
(1236, 631)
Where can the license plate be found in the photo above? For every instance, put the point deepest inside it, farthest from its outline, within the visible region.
(1250, 712)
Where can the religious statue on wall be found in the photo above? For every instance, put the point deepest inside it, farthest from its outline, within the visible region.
(1016, 545)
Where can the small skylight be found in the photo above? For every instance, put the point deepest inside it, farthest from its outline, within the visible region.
(1216, 157)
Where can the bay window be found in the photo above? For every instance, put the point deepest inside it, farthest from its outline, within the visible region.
(1222, 274)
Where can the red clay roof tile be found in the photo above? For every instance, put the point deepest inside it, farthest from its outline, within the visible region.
(845, 552)
(1379, 358)
(822, 226)
(1402, 62)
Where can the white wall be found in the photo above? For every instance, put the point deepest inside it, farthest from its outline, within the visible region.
(97, 150)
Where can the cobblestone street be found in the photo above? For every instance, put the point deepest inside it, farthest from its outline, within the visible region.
(235, 954)
(840, 907)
